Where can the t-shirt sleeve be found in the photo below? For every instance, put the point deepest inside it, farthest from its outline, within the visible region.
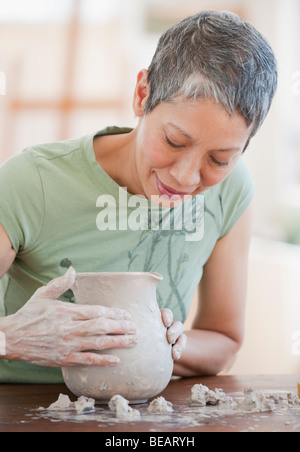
(21, 201)
(236, 194)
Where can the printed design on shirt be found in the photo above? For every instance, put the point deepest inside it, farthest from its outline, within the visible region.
(221, 206)
(66, 263)
(213, 216)
(69, 295)
(147, 256)
(147, 252)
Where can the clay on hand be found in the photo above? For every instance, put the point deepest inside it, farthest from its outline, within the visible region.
(175, 334)
(52, 333)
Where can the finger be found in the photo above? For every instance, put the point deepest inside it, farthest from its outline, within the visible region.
(108, 342)
(91, 359)
(167, 317)
(88, 312)
(179, 347)
(174, 332)
(55, 288)
(102, 326)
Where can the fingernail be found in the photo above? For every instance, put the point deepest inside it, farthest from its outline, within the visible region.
(172, 337)
(133, 340)
(169, 319)
(131, 328)
(177, 352)
(113, 360)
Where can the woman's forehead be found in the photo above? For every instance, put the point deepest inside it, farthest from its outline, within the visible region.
(194, 119)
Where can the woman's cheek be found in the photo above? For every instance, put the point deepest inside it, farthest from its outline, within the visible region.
(157, 157)
(211, 177)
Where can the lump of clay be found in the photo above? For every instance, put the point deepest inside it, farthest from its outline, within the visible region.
(122, 409)
(202, 396)
(257, 401)
(63, 403)
(82, 405)
(198, 397)
(293, 400)
(160, 406)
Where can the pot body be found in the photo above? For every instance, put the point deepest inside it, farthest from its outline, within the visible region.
(144, 370)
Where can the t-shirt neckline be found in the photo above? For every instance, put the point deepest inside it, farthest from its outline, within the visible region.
(95, 170)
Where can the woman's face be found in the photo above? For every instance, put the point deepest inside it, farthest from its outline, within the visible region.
(184, 147)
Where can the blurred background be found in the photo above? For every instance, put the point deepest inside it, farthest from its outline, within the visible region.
(68, 68)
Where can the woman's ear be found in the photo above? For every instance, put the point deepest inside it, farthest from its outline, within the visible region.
(141, 93)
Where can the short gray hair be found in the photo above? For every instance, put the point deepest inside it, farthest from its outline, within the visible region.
(215, 55)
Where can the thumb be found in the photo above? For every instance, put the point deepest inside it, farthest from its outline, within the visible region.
(55, 288)
(167, 317)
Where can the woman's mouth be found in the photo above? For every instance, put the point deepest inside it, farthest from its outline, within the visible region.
(164, 190)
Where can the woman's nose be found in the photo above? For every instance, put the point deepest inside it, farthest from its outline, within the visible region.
(187, 174)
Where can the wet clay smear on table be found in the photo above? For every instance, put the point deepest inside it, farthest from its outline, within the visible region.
(203, 407)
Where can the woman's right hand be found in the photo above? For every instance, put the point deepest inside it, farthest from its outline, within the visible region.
(48, 332)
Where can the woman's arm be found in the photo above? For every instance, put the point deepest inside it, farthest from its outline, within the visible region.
(7, 253)
(49, 332)
(218, 329)
(52, 333)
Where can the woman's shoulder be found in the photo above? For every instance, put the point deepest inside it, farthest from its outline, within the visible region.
(230, 198)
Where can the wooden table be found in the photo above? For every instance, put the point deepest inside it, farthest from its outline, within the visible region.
(19, 410)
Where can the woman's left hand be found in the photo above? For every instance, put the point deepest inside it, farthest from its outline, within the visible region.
(175, 333)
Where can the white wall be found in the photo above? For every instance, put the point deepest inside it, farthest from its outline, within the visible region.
(272, 343)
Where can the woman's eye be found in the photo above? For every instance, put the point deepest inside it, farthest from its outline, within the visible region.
(218, 163)
(174, 145)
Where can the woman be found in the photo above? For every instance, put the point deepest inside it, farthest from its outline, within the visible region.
(206, 93)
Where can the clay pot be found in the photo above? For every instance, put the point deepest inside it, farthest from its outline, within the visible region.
(146, 369)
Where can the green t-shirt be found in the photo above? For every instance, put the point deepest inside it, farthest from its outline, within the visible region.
(60, 208)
